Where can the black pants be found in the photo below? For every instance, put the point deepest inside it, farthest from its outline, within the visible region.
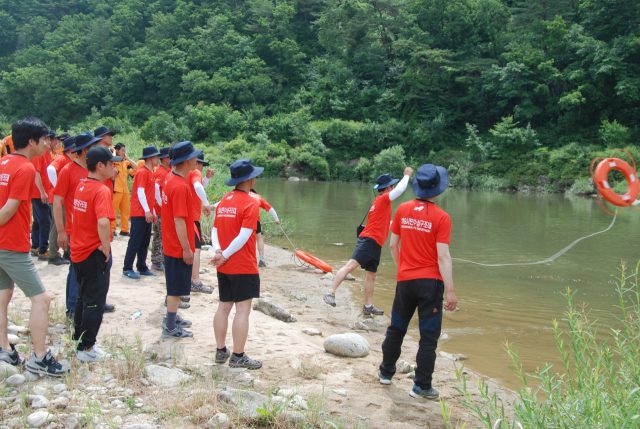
(425, 295)
(138, 244)
(41, 225)
(93, 276)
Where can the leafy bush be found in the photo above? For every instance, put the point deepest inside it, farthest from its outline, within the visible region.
(487, 182)
(311, 165)
(613, 134)
(161, 128)
(389, 161)
(363, 169)
(237, 147)
(581, 187)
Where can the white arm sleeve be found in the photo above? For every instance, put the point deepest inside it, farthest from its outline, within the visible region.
(143, 199)
(237, 242)
(273, 213)
(215, 206)
(205, 181)
(53, 176)
(158, 197)
(201, 193)
(398, 190)
(214, 239)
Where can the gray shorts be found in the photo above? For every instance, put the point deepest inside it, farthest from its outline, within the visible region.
(18, 268)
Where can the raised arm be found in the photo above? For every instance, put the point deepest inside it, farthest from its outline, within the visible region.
(402, 186)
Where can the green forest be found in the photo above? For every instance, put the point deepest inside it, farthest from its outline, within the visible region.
(507, 94)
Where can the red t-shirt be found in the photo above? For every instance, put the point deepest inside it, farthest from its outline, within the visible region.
(176, 202)
(261, 203)
(17, 175)
(160, 175)
(238, 210)
(92, 201)
(420, 226)
(379, 217)
(142, 179)
(58, 163)
(68, 180)
(109, 184)
(195, 176)
(35, 192)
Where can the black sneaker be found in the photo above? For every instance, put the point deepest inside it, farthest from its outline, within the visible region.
(125, 234)
(244, 362)
(58, 261)
(11, 357)
(366, 310)
(108, 308)
(185, 298)
(66, 255)
(48, 365)
(182, 305)
(222, 355)
(179, 321)
(177, 332)
(262, 263)
(200, 287)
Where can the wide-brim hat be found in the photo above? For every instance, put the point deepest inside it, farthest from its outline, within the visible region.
(430, 181)
(243, 170)
(149, 151)
(164, 152)
(201, 159)
(51, 134)
(384, 181)
(64, 136)
(84, 140)
(103, 131)
(68, 143)
(183, 151)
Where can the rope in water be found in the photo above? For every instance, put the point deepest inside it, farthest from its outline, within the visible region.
(296, 260)
(550, 259)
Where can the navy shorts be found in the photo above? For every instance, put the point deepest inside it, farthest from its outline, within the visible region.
(178, 276)
(198, 236)
(259, 228)
(367, 254)
(238, 287)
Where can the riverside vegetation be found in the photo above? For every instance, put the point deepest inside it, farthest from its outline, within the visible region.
(507, 94)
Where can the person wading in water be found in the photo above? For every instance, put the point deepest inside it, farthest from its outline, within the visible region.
(371, 240)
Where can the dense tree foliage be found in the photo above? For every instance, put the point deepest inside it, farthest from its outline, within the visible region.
(316, 85)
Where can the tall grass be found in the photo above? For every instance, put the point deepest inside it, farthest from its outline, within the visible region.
(598, 385)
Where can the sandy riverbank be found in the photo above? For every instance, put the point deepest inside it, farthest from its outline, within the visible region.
(292, 359)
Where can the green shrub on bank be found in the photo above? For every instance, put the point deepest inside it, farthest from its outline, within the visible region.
(581, 187)
(597, 386)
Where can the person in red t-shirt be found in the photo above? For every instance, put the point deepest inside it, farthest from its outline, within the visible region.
(371, 240)
(91, 243)
(159, 175)
(198, 183)
(40, 202)
(259, 239)
(142, 215)
(17, 176)
(66, 184)
(424, 273)
(53, 170)
(178, 237)
(107, 140)
(234, 241)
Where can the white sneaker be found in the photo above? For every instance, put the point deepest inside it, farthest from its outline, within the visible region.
(100, 351)
(93, 355)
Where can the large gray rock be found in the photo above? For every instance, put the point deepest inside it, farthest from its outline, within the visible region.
(59, 388)
(13, 339)
(453, 357)
(272, 309)
(139, 426)
(76, 421)
(246, 401)
(17, 330)
(7, 370)
(219, 421)
(39, 419)
(38, 401)
(15, 380)
(347, 345)
(404, 367)
(165, 376)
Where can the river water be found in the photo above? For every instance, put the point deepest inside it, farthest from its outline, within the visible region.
(496, 303)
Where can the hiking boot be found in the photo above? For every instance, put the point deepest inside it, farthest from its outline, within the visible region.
(384, 379)
(71, 315)
(222, 356)
(430, 394)
(182, 305)
(45, 366)
(124, 234)
(157, 267)
(147, 273)
(108, 308)
(199, 287)
(179, 321)
(34, 251)
(244, 362)
(11, 357)
(93, 355)
(177, 332)
(330, 298)
(58, 261)
(43, 256)
(185, 298)
(262, 263)
(371, 310)
(131, 274)
(66, 255)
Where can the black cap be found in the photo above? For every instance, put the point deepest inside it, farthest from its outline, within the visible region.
(201, 159)
(64, 136)
(103, 131)
(51, 134)
(101, 154)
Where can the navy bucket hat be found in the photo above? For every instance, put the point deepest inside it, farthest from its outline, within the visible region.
(183, 151)
(69, 143)
(202, 160)
(430, 181)
(84, 140)
(243, 170)
(384, 181)
(164, 152)
(149, 151)
(103, 131)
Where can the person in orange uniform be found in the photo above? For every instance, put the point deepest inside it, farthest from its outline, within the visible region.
(40, 202)
(160, 174)
(53, 170)
(121, 197)
(142, 216)
(91, 242)
(7, 145)
(234, 243)
(371, 240)
(178, 238)
(64, 191)
(198, 184)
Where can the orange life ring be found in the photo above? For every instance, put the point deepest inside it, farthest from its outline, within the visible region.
(318, 263)
(602, 181)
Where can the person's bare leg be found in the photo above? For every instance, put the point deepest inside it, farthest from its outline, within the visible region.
(195, 270)
(221, 323)
(173, 302)
(260, 244)
(369, 280)
(39, 322)
(342, 274)
(5, 297)
(240, 328)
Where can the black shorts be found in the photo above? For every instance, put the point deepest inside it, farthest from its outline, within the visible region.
(198, 236)
(367, 254)
(259, 228)
(178, 276)
(238, 287)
